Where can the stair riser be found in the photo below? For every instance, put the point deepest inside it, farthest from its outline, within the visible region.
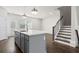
(64, 34)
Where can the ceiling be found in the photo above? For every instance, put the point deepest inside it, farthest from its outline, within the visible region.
(43, 11)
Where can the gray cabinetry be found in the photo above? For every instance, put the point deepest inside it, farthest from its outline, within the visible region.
(26, 49)
(17, 38)
(22, 43)
(30, 43)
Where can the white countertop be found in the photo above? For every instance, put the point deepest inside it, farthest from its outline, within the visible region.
(32, 32)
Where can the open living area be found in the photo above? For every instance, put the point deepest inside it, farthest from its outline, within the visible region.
(39, 29)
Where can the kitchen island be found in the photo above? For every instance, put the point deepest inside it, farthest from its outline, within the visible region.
(32, 41)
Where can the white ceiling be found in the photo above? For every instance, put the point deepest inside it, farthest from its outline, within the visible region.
(43, 11)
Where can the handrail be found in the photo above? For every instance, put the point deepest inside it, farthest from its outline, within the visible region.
(58, 21)
(55, 26)
(77, 34)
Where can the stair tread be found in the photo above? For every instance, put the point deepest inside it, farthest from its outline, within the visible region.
(64, 31)
(64, 37)
(64, 34)
(65, 26)
(63, 40)
(67, 34)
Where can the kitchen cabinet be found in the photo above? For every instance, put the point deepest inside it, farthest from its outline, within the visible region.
(26, 49)
(22, 42)
(17, 38)
(31, 41)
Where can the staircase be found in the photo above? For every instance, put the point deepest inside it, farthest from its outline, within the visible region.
(64, 35)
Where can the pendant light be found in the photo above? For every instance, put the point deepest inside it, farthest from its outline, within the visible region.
(24, 16)
(34, 11)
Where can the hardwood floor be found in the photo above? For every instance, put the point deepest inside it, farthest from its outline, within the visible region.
(60, 48)
(8, 46)
(55, 47)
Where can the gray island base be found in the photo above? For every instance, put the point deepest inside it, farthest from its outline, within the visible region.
(32, 41)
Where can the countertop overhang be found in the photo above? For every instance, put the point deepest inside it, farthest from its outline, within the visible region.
(31, 32)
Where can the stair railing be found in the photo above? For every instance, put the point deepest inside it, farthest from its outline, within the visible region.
(57, 27)
(77, 35)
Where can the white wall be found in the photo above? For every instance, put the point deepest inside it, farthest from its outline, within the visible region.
(34, 24)
(51, 21)
(78, 14)
(38, 24)
(3, 23)
(13, 18)
(74, 25)
(7, 18)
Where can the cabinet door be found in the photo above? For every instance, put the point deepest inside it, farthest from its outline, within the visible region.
(26, 46)
(17, 39)
(22, 42)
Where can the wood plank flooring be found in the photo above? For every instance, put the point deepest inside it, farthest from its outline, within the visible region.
(55, 47)
(8, 46)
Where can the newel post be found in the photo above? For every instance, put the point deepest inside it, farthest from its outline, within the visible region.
(53, 34)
